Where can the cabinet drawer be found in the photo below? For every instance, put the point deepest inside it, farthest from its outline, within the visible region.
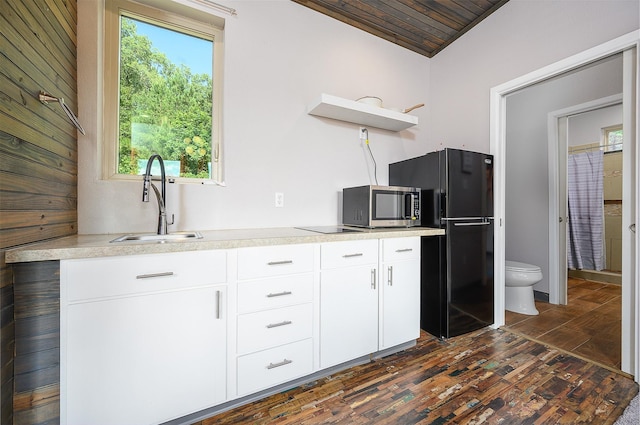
(266, 261)
(258, 331)
(274, 292)
(275, 366)
(121, 276)
(348, 253)
(400, 249)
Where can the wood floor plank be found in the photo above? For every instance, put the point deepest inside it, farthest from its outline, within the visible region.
(488, 376)
(612, 289)
(589, 326)
(566, 338)
(599, 297)
(586, 284)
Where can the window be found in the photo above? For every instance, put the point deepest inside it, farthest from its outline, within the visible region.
(162, 92)
(612, 138)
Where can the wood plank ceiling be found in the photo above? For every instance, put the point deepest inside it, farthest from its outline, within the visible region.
(423, 26)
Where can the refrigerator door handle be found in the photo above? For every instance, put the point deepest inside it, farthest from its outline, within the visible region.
(486, 219)
(482, 223)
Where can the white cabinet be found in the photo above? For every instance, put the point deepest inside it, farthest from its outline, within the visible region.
(368, 302)
(275, 315)
(399, 291)
(143, 338)
(348, 301)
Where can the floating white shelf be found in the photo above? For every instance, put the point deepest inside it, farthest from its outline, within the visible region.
(360, 113)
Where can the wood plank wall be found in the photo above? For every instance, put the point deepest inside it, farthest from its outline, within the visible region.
(7, 342)
(38, 191)
(36, 379)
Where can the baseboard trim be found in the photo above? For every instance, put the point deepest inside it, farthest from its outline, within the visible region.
(597, 276)
(540, 296)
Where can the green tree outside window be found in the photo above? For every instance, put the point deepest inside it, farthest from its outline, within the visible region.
(164, 108)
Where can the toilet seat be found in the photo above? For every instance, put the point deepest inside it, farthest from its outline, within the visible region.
(516, 266)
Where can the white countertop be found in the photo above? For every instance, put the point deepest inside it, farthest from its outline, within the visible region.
(90, 246)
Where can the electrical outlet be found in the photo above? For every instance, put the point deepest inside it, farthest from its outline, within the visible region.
(279, 200)
(363, 133)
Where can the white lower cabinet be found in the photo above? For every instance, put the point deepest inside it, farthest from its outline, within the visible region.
(368, 302)
(145, 339)
(399, 291)
(142, 356)
(275, 316)
(348, 301)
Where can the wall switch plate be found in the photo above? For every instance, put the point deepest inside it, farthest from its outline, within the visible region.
(279, 200)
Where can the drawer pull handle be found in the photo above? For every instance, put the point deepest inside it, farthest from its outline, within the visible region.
(151, 275)
(358, 254)
(282, 363)
(278, 263)
(279, 294)
(404, 250)
(275, 325)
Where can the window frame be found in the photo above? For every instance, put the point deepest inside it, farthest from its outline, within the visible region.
(178, 18)
(605, 136)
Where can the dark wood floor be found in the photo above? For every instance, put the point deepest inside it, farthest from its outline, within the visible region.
(588, 326)
(488, 376)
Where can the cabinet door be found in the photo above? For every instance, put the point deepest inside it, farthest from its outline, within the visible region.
(400, 302)
(348, 314)
(144, 359)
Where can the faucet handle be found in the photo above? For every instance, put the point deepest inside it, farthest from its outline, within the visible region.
(145, 190)
(173, 220)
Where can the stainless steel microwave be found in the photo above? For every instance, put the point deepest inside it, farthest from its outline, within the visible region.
(381, 206)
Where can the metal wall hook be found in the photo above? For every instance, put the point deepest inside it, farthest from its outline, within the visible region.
(46, 98)
(632, 227)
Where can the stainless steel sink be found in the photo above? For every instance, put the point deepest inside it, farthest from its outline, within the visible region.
(159, 238)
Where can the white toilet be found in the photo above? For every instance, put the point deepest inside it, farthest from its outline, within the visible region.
(519, 280)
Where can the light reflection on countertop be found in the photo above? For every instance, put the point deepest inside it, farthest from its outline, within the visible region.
(91, 246)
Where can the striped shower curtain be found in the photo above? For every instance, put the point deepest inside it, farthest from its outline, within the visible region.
(586, 211)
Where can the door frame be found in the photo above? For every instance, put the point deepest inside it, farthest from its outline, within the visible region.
(497, 134)
(557, 130)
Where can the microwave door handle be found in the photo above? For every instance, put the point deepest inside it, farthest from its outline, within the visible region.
(408, 205)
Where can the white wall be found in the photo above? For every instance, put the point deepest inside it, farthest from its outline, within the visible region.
(279, 56)
(587, 127)
(520, 37)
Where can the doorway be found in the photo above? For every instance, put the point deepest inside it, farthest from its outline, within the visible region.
(559, 135)
(499, 148)
(585, 318)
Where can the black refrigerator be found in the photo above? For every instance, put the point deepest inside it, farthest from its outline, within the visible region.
(457, 268)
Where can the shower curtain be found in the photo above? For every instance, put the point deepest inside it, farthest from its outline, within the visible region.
(586, 211)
